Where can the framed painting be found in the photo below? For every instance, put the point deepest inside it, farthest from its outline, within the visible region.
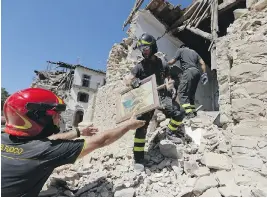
(142, 99)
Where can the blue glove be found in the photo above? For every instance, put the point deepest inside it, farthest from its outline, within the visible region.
(204, 78)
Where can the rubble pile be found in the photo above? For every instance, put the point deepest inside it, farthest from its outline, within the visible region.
(119, 63)
(56, 81)
(109, 171)
(227, 154)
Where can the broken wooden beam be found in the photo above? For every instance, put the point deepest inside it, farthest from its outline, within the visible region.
(137, 5)
(214, 33)
(196, 31)
(204, 13)
(199, 11)
(196, 11)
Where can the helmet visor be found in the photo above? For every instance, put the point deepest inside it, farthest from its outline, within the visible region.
(145, 50)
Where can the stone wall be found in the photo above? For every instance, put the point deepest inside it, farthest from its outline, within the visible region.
(242, 77)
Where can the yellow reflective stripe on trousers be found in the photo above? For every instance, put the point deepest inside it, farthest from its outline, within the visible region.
(186, 105)
(139, 148)
(176, 122)
(137, 140)
(188, 110)
(172, 128)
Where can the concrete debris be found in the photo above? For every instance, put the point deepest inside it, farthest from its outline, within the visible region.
(202, 171)
(169, 149)
(259, 192)
(224, 177)
(127, 192)
(224, 159)
(204, 183)
(216, 161)
(230, 191)
(212, 192)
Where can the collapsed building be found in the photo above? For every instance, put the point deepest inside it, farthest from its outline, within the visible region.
(75, 84)
(228, 155)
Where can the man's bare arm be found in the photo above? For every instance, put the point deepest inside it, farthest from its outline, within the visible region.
(109, 136)
(172, 61)
(203, 65)
(64, 136)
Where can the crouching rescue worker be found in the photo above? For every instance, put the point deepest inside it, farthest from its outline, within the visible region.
(189, 61)
(151, 64)
(30, 147)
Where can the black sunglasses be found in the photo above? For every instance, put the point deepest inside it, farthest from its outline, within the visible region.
(44, 107)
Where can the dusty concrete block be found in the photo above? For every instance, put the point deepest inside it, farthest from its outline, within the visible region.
(256, 192)
(247, 109)
(202, 171)
(243, 72)
(230, 191)
(204, 183)
(256, 90)
(252, 163)
(239, 12)
(260, 5)
(169, 149)
(190, 166)
(248, 131)
(191, 182)
(247, 143)
(264, 170)
(245, 191)
(262, 144)
(127, 192)
(212, 192)
(242, 150)
(263, 154)
(224, 177)
(223, 147)
(216, 161)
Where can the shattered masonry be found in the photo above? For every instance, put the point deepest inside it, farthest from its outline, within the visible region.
(230, 161)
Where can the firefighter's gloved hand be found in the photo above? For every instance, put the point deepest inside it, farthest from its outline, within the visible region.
(136, 83)
(204, 78)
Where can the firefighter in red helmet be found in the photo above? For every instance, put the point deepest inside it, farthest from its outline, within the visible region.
(31, 147)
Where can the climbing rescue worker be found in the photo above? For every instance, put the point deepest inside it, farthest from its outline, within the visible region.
(151, 64)
(30, 147)
(189, 61)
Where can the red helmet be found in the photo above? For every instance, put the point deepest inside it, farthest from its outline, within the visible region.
(27, 111)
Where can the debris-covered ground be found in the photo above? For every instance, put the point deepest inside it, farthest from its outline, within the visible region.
(229, 160)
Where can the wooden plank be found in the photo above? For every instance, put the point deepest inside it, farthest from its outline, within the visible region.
(196, 11)
(205, 13)
(196, 31)
(137, 5)
(185, 16)
(204, 3)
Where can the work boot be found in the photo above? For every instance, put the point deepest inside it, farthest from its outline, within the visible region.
(175, 137)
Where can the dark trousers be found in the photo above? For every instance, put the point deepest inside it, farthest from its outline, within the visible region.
(187, 89)
(171, 109)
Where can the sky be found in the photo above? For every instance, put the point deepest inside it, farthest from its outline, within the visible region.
(36, 31)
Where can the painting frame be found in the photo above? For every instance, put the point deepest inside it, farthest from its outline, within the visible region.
(121, 116)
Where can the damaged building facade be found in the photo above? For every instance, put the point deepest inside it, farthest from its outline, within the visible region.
(76, 84)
